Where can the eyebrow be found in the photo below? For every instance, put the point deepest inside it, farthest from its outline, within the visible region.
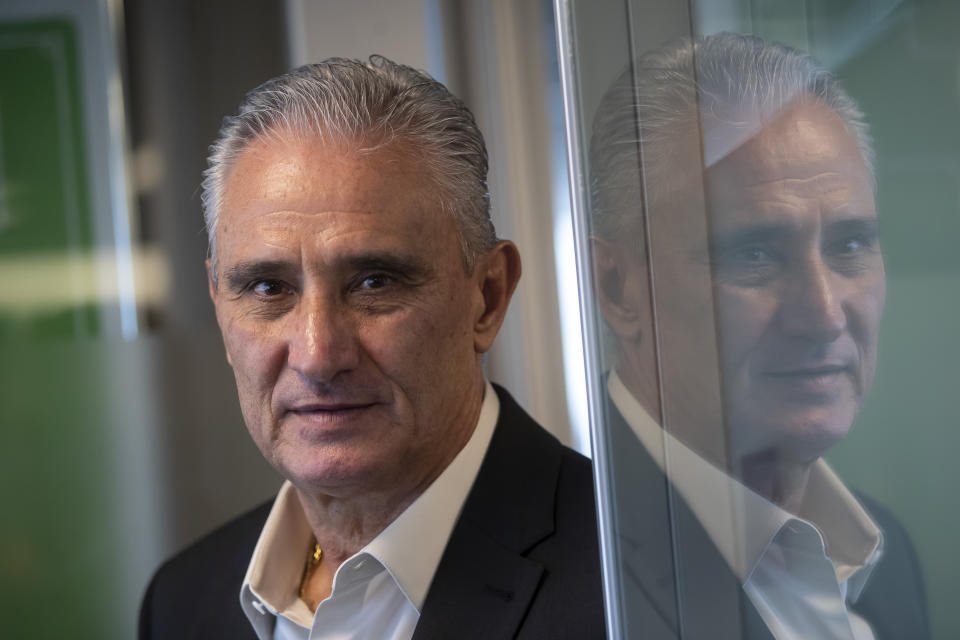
(239, 275)
(869, 226)
(777, 232)
(750, 234)
(409, 266)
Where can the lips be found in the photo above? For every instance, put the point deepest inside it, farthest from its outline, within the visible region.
(809, 371)
(325, 421)
(325, 407)
(816, 381)
(327, 414)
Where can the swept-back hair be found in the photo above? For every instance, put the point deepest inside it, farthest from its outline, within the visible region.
(724, 81)
(364, 106)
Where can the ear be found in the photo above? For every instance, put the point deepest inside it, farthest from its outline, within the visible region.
(622, 288)
(497, 274)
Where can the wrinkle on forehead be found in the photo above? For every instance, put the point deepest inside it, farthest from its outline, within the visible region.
(808, 149)
(327, 237)
(804, 125)
(325, 224)
(823, 194)
(282, 178)
(820, 184)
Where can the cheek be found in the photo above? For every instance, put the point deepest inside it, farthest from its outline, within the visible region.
(420, 343)
(744, 317)
(870, 306)
(256, 355)
(424, 349)
(684, 306)
(864, 313)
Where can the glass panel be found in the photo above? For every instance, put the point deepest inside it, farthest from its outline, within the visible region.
(758, 186)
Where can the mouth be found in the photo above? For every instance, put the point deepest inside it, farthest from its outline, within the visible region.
(328, 406)
(801, 373)
(813, 381)
(328, 409)
(327, 415)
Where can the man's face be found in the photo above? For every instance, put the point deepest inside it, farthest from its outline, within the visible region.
(798, 285)
(347, 315)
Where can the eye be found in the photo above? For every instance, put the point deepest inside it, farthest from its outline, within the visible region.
(752, 255)
(268, 288)
(747, 265)
(375, 281)
(852, 248)
(854, 244)
(748, 256)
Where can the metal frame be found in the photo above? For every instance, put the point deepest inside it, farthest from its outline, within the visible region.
(566, 49)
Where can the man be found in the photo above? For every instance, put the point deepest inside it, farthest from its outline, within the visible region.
(744, 300)
(357, 281)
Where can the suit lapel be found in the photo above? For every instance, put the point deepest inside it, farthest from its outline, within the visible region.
(484, 584)
(481, 590)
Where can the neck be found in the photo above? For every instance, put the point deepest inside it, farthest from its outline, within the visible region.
(343, 526)
(782, 482)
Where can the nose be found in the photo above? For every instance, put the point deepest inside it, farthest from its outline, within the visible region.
(812, 305)
(322, 341)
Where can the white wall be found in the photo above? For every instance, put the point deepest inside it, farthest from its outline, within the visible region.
(322, 29)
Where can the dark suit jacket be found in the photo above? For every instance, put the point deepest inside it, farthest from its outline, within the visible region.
(521, 562)
(673, 577)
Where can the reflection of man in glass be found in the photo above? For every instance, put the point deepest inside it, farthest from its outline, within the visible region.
(757, 297)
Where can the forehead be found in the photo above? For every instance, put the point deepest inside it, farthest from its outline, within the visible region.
(804, 160)
(285, 191)
(302, 172)
(803, 132)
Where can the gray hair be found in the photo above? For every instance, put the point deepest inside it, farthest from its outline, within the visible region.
(690, 85)
(366, 105)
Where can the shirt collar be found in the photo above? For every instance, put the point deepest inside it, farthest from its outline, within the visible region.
(742, 523)
(273, 576)
(410, 548)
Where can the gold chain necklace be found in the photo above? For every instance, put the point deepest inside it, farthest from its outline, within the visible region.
(314, 556)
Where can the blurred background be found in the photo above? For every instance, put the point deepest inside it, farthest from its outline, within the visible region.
(120, 436)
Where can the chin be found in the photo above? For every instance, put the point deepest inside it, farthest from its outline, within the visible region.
(800, 437)
(327, 471)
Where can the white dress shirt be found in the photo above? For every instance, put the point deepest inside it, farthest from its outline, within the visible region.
(379, 591)
(798, 570)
